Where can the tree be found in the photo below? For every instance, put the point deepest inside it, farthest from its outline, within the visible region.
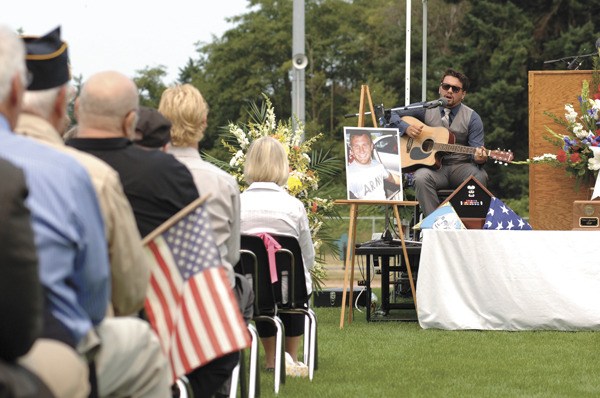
(150, 85)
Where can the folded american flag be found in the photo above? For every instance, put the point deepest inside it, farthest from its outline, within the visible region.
(190, 303)
(500, 216)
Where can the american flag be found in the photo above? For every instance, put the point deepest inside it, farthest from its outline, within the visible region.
(190, 303)
(500, 216)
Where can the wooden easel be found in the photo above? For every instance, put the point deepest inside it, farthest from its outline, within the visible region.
(349, 265)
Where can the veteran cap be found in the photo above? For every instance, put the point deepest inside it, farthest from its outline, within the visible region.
(153, 130)
(47, 60)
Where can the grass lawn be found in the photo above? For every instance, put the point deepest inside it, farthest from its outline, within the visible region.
(399, 359)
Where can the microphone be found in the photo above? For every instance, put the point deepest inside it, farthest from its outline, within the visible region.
(434, 104)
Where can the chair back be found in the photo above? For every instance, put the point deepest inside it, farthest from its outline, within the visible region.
(254, 261)
(298, 292)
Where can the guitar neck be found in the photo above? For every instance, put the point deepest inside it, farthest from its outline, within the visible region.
(468, 150)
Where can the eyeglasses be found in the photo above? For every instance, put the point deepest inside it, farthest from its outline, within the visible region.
(447, 87)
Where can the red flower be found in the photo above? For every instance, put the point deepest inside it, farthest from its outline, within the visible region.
(575, 158)
(561, 156)
(597, 95)
(314, 207)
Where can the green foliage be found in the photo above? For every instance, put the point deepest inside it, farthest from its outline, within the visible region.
(150, 85)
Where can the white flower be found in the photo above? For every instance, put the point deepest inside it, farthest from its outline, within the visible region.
(594, 109)
(546, 156)
(270, 122)
(580, 132)
(570, 115)
(594, 163)
(236, 159)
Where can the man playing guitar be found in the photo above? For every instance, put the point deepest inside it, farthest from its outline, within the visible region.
(467, 128)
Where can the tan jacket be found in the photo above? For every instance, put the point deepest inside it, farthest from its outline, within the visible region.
(130, 266)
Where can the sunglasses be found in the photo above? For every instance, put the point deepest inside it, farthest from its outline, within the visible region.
(447, 87)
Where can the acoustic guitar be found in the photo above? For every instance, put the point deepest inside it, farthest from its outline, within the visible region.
(427, 150)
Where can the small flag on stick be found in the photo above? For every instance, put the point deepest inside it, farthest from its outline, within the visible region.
(190, 303)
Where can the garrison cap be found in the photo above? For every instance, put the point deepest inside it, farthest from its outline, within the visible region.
(47, 60)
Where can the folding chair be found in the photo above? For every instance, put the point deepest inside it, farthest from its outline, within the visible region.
(254, 264)
(252, 388)
(290, 257)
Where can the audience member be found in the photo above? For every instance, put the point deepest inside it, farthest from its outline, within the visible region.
(267, 207)
(187, 111)
(68, 230)
(74, 268)
(156, 184)
(22, 296)
(44, 118)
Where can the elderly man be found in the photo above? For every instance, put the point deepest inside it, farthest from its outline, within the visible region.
(129, 360)
(44, 118)
(156, 184)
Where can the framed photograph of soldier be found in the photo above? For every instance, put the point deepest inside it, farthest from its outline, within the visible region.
(373, 169)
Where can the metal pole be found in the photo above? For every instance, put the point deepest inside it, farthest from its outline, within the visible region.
(299, 62)
(424, 72)
(407, 56)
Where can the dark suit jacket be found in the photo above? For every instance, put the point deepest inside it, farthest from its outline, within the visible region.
(156, 184)
(20, 288)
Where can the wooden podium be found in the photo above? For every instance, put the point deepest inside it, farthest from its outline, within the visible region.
(551, 190)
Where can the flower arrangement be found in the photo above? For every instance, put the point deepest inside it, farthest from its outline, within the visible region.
(305, 170)
(578, 151)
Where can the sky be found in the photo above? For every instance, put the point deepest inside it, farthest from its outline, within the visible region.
(126, 35)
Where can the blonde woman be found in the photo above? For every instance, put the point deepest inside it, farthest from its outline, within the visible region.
(187, 111)
(267, 207)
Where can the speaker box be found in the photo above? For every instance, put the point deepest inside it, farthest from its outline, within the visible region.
(333, 297)
(586, 215)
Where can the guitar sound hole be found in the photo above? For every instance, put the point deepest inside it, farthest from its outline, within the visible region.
(427, 145)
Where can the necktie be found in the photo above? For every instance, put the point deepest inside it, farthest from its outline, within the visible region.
(446, 118)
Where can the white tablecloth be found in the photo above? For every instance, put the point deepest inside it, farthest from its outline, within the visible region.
(509, 280)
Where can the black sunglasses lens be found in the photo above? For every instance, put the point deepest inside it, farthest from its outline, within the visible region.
(447, 87)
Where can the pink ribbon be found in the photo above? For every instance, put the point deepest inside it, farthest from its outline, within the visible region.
(272, 246)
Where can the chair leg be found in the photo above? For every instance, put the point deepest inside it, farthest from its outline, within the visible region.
(310, 341)
(235, 379)
(313, 355)
(184, 387)
(279, 354)
(254, 378)
(306, 351)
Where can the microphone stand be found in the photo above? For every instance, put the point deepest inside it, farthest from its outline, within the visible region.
(571, 60)
(401, 108)
(386, 236)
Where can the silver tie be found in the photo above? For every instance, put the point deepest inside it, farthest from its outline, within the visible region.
(446, 118)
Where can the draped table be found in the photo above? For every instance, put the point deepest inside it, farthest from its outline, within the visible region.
(509, 280)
